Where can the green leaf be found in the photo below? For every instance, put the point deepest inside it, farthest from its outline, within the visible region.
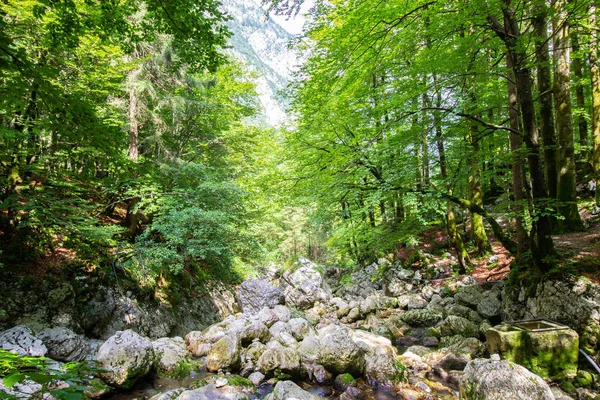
(12, 379)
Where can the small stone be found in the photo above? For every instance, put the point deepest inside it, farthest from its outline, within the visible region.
(256, 378)
(220, 382)
(423, 386)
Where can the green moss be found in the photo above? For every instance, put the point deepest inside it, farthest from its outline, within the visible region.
(181, 369)
(345, 379)
(239, 381)
(401, 372)
(567, 387)
(584, 379)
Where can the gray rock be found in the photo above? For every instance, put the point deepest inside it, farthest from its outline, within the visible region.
(211, 392)
(225, 354)
(454, 325)
(126, 356)
(251, 330)
(310, 350)
(421, 318)
(20, 340)
(339, 353)
(501, 380)
(304, 286)
(172, 357)
(382, 370)
(267, 316)
(299, 328)
(490, 306)
(416, 302)
(278, 327)
(280, 358)
(472, 346)
(64, 345)
(283, 313)
(469, 296)
(254, 294)
(288, 390)
(256, 378)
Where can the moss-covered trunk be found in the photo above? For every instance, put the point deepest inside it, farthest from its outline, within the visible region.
(566, 195)
(595, 77)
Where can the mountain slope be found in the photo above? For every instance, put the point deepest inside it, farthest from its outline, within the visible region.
(262, 44)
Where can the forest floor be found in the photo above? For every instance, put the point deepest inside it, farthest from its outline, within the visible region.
(580, 250)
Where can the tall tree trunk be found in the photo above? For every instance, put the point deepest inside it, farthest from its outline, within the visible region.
(478, 234)
(579, 94)
(595, 77)
(544, 81)
(567, 198)
(425, 140)
(133, 126)
(516, 147)
(462, 255)
(542, 245)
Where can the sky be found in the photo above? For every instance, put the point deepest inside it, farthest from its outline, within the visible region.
(294, 24)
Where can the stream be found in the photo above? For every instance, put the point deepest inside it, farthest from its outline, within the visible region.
(152, 386)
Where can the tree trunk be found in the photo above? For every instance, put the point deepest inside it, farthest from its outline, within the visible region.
(461, 251)
(544, 81)
(579, 95)
(516, 147)
(542, 245)
(133, 126)
(478, 234)
(595, 77)
(566, 195)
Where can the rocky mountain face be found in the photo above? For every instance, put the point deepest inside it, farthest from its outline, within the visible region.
(262, 44)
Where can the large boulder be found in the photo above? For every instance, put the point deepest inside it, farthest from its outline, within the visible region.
(225, 354)
(64, 345)
(454, 325)
(299, 328)
(490, 306)
(172, 357)
(469, 296)
(254, 294)
(486, 379)
(126, 356)
(471, 346)
(280, 358)
(304, 286)
(421, 318)
(339, 352)
(211, 392)
(382, 369)
(20, 340)
(288, 390)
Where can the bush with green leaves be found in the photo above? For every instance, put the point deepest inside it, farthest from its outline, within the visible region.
(68, 381)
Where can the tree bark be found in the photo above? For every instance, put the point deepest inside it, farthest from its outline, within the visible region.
(516, 147)
(462, 255)
(595, 78)
(133, 126)
(544, 81)
(579, 94)
(542, 245)
(478, 234)
(566, 195)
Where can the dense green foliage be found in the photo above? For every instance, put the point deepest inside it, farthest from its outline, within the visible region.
(69, 381)
(120, 125)
(404, 113)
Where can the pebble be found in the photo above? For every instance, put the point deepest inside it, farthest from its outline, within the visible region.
(220, 382)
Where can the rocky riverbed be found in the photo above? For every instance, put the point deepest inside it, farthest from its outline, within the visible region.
(381, 333)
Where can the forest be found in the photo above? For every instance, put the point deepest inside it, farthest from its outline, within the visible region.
(132, 147)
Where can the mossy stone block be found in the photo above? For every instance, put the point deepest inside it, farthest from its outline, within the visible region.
(551, 354)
